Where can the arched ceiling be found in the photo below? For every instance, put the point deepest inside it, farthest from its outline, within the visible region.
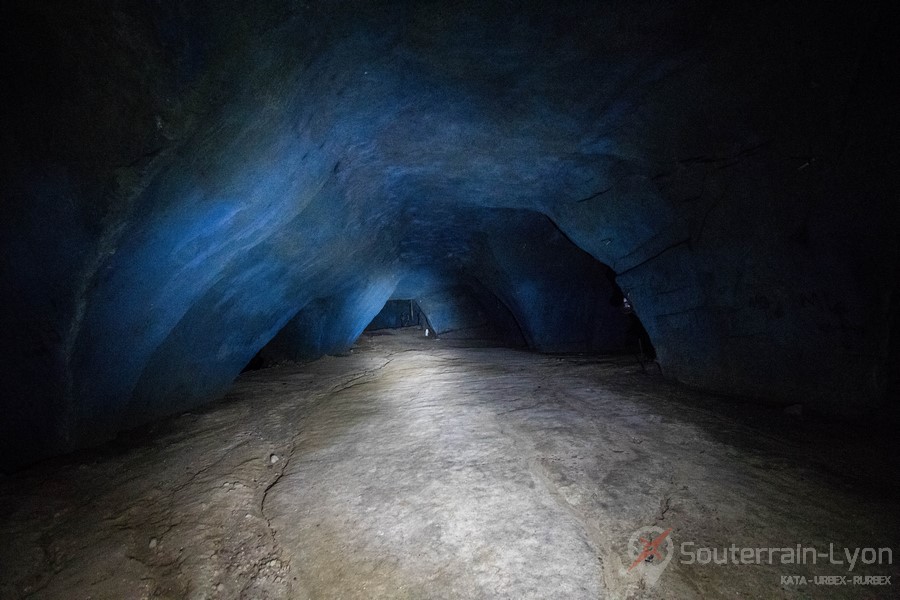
(186, 179)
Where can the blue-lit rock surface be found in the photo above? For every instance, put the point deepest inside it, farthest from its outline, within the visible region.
(182, 183)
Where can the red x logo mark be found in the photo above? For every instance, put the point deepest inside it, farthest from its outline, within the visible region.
(651, 548)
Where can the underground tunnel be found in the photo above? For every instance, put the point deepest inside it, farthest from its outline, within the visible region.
(347, 299)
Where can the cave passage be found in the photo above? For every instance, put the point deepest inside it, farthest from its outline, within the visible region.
(191, 192)
(427, 299)
(397, 314)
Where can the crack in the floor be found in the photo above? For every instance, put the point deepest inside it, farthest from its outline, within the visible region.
(595, 538)
(521, 408)
(353, 381)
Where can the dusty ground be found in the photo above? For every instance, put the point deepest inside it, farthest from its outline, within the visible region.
(416, 468)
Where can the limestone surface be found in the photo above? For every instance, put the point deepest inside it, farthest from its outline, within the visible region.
(420, 468)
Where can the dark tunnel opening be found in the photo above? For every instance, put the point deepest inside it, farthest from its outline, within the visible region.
(470, 311)
(458, 313)
(397, 314)
(638, 340)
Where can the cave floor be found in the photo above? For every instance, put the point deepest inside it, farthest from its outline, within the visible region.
(415, 468)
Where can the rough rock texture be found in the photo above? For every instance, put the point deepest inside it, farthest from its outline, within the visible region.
(181, 181)
(418, 469)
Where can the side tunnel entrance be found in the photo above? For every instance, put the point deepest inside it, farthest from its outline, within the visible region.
(637, 340)
(397, 314)
(454, 312)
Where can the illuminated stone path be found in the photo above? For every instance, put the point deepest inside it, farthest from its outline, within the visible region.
(420, 469)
